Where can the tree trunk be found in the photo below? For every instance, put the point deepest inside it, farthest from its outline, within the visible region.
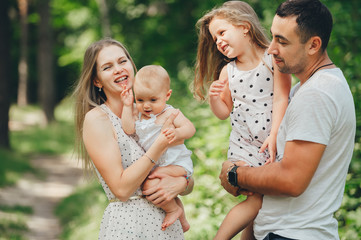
(46, 83)
(103, 8)
(5, 33)
(23, 62)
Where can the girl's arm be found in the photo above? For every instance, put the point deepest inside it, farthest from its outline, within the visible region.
(220, 99)
(128, 121)
(101, 144)
(281, 89)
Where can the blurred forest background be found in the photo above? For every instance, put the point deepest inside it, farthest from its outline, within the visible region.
(42, 43)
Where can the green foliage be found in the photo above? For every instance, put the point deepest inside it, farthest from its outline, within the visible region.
(32, 137)
(12, 166)
(13, 222)
(81, 213)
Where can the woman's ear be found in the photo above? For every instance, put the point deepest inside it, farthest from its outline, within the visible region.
(97, 83)
(314, 44)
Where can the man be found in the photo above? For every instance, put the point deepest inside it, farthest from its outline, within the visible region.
(304, 188)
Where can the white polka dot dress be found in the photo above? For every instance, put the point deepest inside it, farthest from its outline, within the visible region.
(136, 218)
(252, 95)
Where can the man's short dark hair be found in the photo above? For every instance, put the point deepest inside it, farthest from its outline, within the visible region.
(313, 19)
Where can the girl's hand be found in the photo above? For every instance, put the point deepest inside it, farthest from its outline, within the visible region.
(127, 96)
(270, 143)
(216, 88)
(166, 190)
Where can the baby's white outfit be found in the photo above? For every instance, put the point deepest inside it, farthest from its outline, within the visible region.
(252, 96)
(147, 131)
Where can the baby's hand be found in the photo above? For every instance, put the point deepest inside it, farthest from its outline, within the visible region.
(270, 143)
(216, 88)
(170, 134)
(127, 96)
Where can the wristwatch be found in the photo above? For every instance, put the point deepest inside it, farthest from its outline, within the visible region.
(232, 176)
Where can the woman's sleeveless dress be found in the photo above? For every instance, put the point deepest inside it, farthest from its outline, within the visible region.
(136, 218)
(252, 96)
(147, 131)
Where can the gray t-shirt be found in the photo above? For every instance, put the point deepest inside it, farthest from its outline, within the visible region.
(321, 111)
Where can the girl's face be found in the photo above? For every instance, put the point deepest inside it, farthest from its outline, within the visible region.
(150, 99)
(230, 39)
(114, 70)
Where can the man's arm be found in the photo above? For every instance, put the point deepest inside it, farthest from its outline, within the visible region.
(289, 177)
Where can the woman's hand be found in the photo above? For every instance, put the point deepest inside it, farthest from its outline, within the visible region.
(167, 189)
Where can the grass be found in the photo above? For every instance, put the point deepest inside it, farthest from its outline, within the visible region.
(12, 166)
(81, 213)
(30, 137)
(13, 221)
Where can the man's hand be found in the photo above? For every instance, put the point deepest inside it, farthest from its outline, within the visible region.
(223, 176)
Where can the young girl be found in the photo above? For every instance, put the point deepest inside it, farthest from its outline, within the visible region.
(233, 48)
(152, 91)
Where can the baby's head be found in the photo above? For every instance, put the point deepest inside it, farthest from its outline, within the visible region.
(151, 89)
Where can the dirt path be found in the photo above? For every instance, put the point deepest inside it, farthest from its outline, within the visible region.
(61, 176)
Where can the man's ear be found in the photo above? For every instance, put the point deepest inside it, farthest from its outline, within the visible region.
(314, 45)
(169, 93)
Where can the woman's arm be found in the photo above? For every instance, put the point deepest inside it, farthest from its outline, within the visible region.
(281, 90)
(101, 144)
(220, 99)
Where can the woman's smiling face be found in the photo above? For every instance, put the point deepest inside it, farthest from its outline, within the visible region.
(114, 70)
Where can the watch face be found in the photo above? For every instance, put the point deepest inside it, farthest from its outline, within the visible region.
(232, 178)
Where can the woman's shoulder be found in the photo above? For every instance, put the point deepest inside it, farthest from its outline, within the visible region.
(95, 116)
(97, 124)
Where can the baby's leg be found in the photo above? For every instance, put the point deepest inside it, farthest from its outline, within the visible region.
(172, 210)
(182, 217)
(239, 217)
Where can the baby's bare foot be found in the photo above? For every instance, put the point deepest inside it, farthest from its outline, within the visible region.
(171, 217)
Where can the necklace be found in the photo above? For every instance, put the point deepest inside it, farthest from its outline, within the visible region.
(329, 64)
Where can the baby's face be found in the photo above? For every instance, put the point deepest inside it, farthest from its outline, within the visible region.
(150, 99)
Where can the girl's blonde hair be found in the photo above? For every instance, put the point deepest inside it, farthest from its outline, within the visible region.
(210, 61)
(87, 96)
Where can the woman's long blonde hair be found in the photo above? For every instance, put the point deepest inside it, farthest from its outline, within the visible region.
(210, 61)
(87, 96)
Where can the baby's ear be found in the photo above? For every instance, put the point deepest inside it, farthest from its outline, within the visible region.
(169, 93)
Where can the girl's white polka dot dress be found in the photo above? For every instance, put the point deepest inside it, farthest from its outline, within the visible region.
(136, 218)
(252, 95)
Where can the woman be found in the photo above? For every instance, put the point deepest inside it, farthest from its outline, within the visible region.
(121, 165)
